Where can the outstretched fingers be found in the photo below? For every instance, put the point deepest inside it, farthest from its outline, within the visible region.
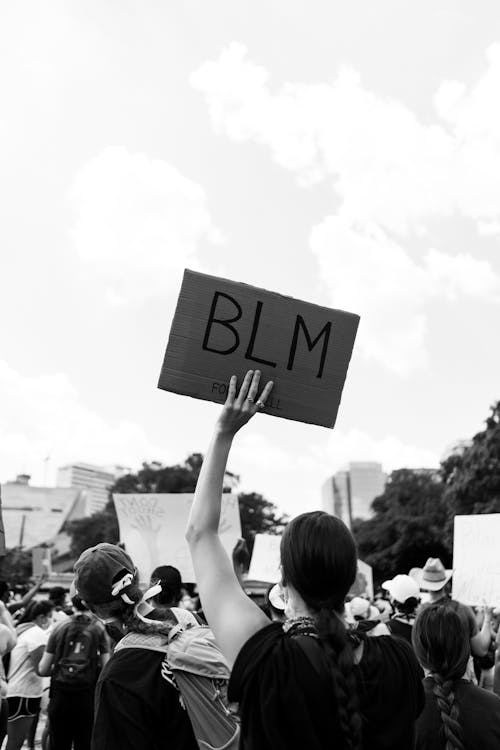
(261, 402)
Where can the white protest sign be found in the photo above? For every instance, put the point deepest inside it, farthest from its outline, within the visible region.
(476, 561)
(265, 566)
(265, 563)
(153, 527)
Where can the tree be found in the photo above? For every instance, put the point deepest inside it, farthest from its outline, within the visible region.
(100, 527)
(16, 566)
(471, 474)
(408, 524)
(258, 515)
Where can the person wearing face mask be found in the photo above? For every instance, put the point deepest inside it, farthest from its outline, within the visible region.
(25, 686)
(137, 706)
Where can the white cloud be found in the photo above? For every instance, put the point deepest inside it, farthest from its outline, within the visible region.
(138, 221)
(44, 416)
(292, 478)
(367, 272)
(386, 165)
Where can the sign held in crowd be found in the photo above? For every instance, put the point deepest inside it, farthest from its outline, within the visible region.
(152, 527)
(476, 573)
(265, 566)
(222, 328)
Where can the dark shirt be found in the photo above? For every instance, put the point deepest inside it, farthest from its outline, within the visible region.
(401, 628)
(479, 717)
(287, 701)
(137, 708)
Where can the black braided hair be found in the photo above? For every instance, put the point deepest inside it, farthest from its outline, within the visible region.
(448, 708)
(319, 560)
(443, 648)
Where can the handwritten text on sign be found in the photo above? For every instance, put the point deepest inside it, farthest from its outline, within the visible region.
(476, 568)
(222, 327)
(152, 527)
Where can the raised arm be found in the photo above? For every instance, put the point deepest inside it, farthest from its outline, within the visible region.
(232, 616)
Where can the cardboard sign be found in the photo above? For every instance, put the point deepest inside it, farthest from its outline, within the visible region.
(265, 566)
(223, 328)
(152, 527)
(476, 566)
(265, 563)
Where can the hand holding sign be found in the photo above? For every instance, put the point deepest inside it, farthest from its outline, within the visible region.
(240, 408)
(221, 327)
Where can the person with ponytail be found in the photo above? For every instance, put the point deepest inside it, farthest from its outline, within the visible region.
(308, 682)
(457, 714)
(136, 707)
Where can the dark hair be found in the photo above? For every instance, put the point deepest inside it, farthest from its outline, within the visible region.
(170, 581)
(407, 607)
(79, 604)
(319, 560)
(57, 594)
(35, 609)
(4, 588)
(442, 647)
(241, 555)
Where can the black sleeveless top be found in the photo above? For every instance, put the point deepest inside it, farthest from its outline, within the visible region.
(287, 702)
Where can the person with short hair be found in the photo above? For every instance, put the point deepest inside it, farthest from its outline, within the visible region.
(71, 706)
(137, 707)
(457, 713)
(308, 682)
(405, 597)
(25, 686)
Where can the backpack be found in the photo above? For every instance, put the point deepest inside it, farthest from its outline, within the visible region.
(194, 665)
(76, 664)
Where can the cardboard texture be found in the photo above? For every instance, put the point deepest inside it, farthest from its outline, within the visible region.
(152, 527)
(476, 572)
(223, 328)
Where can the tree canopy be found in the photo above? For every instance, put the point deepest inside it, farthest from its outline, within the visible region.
(407, 526)
(258, 515)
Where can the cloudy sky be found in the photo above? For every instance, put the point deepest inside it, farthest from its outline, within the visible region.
(344, 153)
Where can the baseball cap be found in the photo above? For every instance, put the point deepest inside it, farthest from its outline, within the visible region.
(103, 574)
(401, 588)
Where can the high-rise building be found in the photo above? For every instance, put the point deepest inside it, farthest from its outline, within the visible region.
(349, 493)
(96, 480)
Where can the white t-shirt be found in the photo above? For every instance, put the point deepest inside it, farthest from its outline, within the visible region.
(23, 678)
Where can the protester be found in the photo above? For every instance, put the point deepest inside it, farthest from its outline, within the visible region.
(457, 714)
(76, 651)
(433, 579)
(170, 581)
(404, 593)
(15, 607)
(58, 597)
(364, 617)
(8, 638)
(25, 686)
(308, 683)
(137, 706)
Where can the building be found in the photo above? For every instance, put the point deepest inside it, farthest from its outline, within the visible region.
(34, 516)
(350, 492)
(95, 480)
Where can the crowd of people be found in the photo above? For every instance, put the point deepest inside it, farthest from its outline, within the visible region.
(313, 668)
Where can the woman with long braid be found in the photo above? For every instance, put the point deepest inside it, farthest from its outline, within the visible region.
(308, 683)
(457, 714)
